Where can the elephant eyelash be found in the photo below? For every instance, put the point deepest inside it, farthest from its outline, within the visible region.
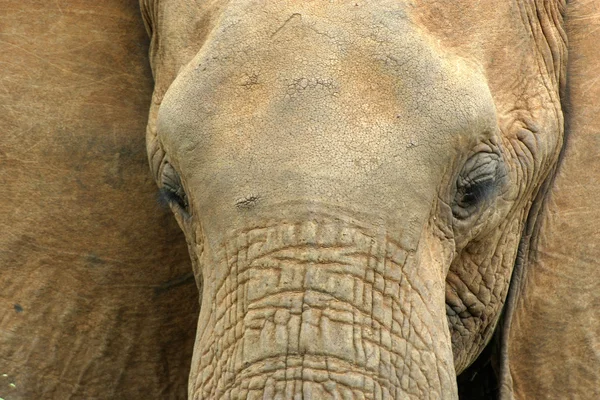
(169, 196)
(171, 191)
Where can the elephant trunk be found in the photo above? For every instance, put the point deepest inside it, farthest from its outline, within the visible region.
(320, 310)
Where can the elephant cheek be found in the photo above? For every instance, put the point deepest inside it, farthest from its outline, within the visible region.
(320, 310)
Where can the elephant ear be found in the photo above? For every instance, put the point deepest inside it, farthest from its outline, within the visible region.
(551, 333)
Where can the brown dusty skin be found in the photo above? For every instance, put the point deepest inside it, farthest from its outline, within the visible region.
(554, 343)
(96, 297)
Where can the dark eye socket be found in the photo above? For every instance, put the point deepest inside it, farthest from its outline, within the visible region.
(171, 189)
(476, 184)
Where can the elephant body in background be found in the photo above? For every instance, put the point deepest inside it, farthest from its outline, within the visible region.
(371, 193)
(96, 300)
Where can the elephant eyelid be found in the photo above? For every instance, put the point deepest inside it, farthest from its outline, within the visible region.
(171, 190)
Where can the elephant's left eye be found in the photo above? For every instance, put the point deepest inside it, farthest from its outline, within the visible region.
(171, 189)
(477, 182)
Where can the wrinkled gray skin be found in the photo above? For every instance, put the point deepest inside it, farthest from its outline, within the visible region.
(353, 179)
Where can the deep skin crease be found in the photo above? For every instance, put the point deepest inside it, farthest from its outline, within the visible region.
(353, 181)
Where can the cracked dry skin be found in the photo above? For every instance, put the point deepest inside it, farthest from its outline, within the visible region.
(353, 180)
(320, 309)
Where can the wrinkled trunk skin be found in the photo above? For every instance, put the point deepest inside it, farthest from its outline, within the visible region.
(319, 309)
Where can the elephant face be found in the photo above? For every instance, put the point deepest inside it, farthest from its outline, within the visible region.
(353, 181)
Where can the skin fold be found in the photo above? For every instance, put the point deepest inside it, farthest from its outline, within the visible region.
(553, 346)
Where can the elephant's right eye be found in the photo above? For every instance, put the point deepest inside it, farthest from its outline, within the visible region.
(171, 189)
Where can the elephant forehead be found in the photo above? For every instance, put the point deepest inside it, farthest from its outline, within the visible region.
(319, 80)
(343, 110)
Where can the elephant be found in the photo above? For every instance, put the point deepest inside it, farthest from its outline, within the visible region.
(376, 198)
(361, 187)
(96, 296)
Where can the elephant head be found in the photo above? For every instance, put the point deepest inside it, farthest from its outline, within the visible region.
(354, 180)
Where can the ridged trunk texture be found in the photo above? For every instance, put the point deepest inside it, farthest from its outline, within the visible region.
(320, 310)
